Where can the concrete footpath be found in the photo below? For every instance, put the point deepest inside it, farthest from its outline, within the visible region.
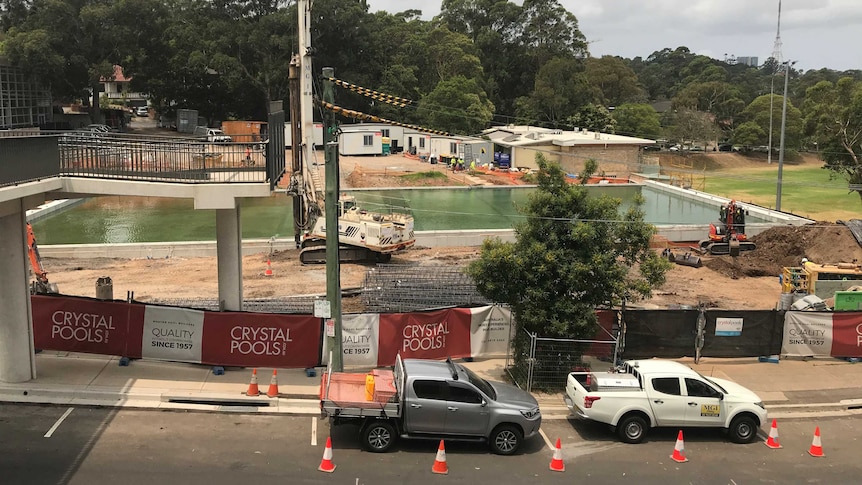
(794, 388)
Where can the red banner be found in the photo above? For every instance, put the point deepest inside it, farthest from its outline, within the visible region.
(80, 325)
(847, 334)
(257, 339)
(432, 335)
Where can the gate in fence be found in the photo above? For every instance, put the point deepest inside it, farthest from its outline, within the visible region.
(543, 363)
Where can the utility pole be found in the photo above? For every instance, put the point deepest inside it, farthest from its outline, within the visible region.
(331, 205)
(787, 66)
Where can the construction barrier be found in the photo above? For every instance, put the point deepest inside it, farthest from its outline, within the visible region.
(137, 330)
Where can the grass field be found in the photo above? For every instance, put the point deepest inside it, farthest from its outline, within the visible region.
(807, 190)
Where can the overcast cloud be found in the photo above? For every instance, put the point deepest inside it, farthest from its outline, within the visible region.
(815, 33)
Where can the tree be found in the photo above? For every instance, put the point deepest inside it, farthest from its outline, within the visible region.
(749, 134)
(616, 81)
(717, 97)
(834, 117)
(457, 105)
(572, 254)
(692, 126)
(758, 112)
(560, 90)
(640, 120)
(70, 46)
(593, 118)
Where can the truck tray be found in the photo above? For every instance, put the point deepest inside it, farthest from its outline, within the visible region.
(348, 389)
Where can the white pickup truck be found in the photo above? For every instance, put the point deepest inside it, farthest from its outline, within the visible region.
(662, 393)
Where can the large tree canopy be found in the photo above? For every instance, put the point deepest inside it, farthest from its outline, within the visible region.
(835, 120)
(573, 253)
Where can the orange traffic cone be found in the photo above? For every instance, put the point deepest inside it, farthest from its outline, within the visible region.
(273, 385)
(816, 448)
(253, 390)
(772, 441)
(679, 450)
(268, 271)
(440, 462)
(557, 464)
(326, 464)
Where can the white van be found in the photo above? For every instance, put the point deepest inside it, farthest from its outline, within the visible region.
(213, 135)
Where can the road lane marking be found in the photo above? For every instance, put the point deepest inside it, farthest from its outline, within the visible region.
(548, 441)
(314, 431)
(57, 424)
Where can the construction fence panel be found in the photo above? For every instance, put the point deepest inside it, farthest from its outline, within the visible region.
(728, 333)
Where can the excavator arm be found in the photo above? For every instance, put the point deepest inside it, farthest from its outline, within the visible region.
(40, 285)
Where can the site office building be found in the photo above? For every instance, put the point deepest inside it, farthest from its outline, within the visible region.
(367, 138)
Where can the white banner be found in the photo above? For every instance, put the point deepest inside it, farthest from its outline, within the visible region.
(359, 334)
(172, 334)
(489, 331)
(807, 334)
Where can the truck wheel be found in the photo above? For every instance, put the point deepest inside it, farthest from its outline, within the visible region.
(743, 429)
(506, 439)
(378, 437)
(632, 429)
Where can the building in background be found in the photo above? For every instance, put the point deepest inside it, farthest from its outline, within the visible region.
(23, 102)
(750, 61)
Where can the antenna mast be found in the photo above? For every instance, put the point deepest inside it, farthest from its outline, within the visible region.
(777, 58)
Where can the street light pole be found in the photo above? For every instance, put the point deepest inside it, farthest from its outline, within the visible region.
(787, 66)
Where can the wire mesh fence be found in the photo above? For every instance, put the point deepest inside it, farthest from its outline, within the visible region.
(406, 288)
(293, 305)
(543, 364)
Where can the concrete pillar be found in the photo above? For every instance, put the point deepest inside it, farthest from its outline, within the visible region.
(229, 251)
(17, 359)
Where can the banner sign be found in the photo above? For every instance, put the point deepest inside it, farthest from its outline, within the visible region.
(172, 334)
(359, 337)
(807, 334)
(81, 325)
(728, 327)
(431, 335)
(846, 334)
(490, 327)
(260, 339)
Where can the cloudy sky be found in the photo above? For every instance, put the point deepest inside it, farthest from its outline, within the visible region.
(815, 33)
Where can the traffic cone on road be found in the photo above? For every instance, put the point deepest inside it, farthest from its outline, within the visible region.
(253, 390)
(816, 449)
(268, 271)
(440, 462)
(679, 450)
(557, 464)
(326, 464)
(273, 385)
(772, 441)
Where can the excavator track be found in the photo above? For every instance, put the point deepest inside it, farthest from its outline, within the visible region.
(314, 252)
(716, 248)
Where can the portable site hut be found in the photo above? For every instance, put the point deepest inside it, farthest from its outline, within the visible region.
(317, 135)
(417, 142)
(394, 133)
(360, 139)
(245, 131)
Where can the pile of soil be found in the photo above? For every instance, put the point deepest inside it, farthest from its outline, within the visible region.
(780, 246)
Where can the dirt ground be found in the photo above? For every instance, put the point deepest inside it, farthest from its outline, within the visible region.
(750, 282)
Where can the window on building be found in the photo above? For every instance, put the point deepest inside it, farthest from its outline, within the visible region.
(422, 143)
(453, 148)
(368, 140)
(385, 132)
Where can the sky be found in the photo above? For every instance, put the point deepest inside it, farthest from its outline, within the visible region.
(814, 33)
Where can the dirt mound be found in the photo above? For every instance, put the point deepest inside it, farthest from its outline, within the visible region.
(780, 246)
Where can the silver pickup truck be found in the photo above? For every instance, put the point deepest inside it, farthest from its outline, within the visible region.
(429, 399)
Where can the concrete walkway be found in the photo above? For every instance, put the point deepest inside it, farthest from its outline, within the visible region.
(791, 388)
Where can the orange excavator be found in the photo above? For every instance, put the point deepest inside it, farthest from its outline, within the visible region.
(40, 285)
(728, 236)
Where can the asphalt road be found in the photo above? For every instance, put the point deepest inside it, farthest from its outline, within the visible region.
(97, 445)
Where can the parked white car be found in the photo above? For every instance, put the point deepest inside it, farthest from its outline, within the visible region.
(644, 394)
(142, 111)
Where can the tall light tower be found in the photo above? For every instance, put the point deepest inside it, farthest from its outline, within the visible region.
(776, 56)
